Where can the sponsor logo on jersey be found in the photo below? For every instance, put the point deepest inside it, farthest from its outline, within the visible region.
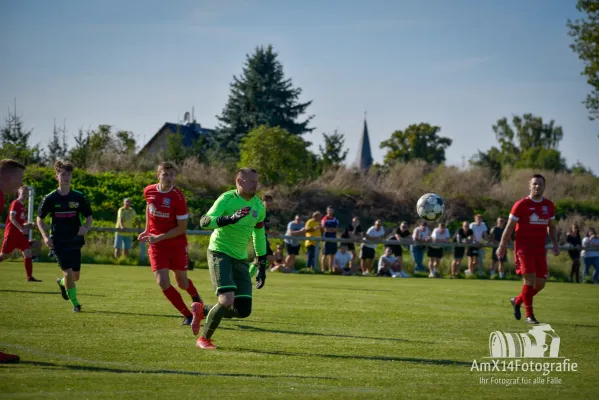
(65, 214)
(166, 202)
(535, 220)
(255, 213)
(157, 213)
(73, 204)
(545, 210)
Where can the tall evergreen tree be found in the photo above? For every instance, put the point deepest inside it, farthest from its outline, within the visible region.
(58, 147)
(332, 154)
(260, 96)
(14, 141)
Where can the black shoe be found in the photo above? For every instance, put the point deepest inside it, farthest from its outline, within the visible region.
(32, 279)
(532, 320)
(77, 308)
(63, 291)
(187, 320)
(517, 313)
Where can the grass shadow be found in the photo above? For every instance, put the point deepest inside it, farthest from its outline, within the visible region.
(38, 292)
(334, 335)
(355, 357)
(136, 314)
(115, 370)
(349, 288)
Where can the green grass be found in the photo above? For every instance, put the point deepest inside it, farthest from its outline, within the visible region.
(310, 336)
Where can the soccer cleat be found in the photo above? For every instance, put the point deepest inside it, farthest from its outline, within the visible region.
(32, 279)
(197, 309)
(77, 308)
(532, 320)
(204, 343)
(517, 313)
(63, 291)
(6, 358)
(187, 320)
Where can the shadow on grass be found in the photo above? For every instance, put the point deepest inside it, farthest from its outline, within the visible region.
(334, 335)
(55, 293)
(358, 357)
(336, 288)
(91, 368)
(136, 314)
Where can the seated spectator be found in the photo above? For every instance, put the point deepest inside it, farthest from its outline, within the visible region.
(343, 261)
(389, 265)
(367, 251)
(278, 263)
(464, 235)
(435, 253)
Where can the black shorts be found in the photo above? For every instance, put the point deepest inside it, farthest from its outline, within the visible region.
(292, 250)
(268, 249)
(68, 258)
(367, 253)
(458, 252)
(397, 250)
(473, 251)
(350, 246)
(574, 254)
(494, 255)
(330, 248)
(434, 253)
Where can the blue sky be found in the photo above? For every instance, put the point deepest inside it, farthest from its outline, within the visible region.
(458, 64)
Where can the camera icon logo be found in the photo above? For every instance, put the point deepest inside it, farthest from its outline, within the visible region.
(540, 341)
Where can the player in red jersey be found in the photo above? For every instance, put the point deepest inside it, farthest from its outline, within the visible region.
(11, 179)
(532, 217)
(166, 223)
(15, 233)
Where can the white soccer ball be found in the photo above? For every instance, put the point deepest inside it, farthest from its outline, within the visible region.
(430, 207)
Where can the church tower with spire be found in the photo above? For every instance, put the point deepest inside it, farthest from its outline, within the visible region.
(364, 160)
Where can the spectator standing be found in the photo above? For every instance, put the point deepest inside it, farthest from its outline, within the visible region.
(420, 236)
(476, 254)
(464, 235)
(574, 240)
(313, 229)
(329, 224)
(435, 253)
(125, 218)
(294, 228)
(368, 250)
(495, 238)
(591, 254)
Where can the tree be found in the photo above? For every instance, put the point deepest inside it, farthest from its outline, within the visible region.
(58, 147)
(260, 96)
(175, 151)
(416, 142)
(79, 153)
(278, 156)
(586, 45)
(14, 140)
(581, 169)
(104, 149)
(527, 143)
(332, 154)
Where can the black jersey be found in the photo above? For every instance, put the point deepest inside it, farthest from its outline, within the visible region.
(68, 214)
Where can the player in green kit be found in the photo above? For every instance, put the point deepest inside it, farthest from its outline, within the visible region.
(237, 217)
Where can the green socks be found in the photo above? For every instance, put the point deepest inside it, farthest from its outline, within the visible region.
(72, 293)
(213, 319)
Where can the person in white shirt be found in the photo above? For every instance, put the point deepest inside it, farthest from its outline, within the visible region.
(367, 251)
(590, 245)
(389, 265)
(343, 261)
(479, 230)
(440, 235)
(421, 235)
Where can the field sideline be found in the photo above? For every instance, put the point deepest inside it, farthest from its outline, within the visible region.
(310, 336)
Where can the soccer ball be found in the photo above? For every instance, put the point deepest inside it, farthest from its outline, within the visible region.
(430, 207)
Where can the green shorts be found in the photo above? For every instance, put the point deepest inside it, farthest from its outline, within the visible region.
(229, 274)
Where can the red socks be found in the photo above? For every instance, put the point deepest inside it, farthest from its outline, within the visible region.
(191, 289)
(519, 299)
(28, 267)
(527, 294)
(176, 300)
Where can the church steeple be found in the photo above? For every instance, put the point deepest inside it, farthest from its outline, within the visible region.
(364, 160)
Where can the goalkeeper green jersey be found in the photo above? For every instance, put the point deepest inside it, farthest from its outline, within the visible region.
(234, 239)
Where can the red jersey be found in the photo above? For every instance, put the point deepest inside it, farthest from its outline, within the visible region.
(17, 208)
(1, 201)
(532, 219)
(165, 209)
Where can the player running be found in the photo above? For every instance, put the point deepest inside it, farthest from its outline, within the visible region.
(166, 224)
(532, 217)
(11, 178)
(237, 217)
(15, 233)
(68, 208)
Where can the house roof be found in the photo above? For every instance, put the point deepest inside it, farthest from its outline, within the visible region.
(191, 132)
(364, 160)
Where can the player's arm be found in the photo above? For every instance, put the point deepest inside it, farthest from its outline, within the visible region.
(12, 216)
(42, 212)
(144, 234)
(259, 239)
(86, 211)
(216, 218)
(507, 235)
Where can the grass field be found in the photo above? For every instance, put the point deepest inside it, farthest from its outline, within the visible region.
(310, 336)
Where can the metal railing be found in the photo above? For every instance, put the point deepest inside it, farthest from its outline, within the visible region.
(318, 240)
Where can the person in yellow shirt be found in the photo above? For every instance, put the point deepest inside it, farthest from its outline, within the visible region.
(313, 229)
(125, 218)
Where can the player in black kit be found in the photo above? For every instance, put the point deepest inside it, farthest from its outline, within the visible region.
(71, 219)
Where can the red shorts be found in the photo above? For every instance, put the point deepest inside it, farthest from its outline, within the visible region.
(173, 257)
(531, 263)
(15, 241)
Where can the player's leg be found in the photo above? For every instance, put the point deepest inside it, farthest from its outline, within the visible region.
(6, 358)
(160, 262)
(525, 266)
(69, 261)
(220, 266)
(28, 262)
